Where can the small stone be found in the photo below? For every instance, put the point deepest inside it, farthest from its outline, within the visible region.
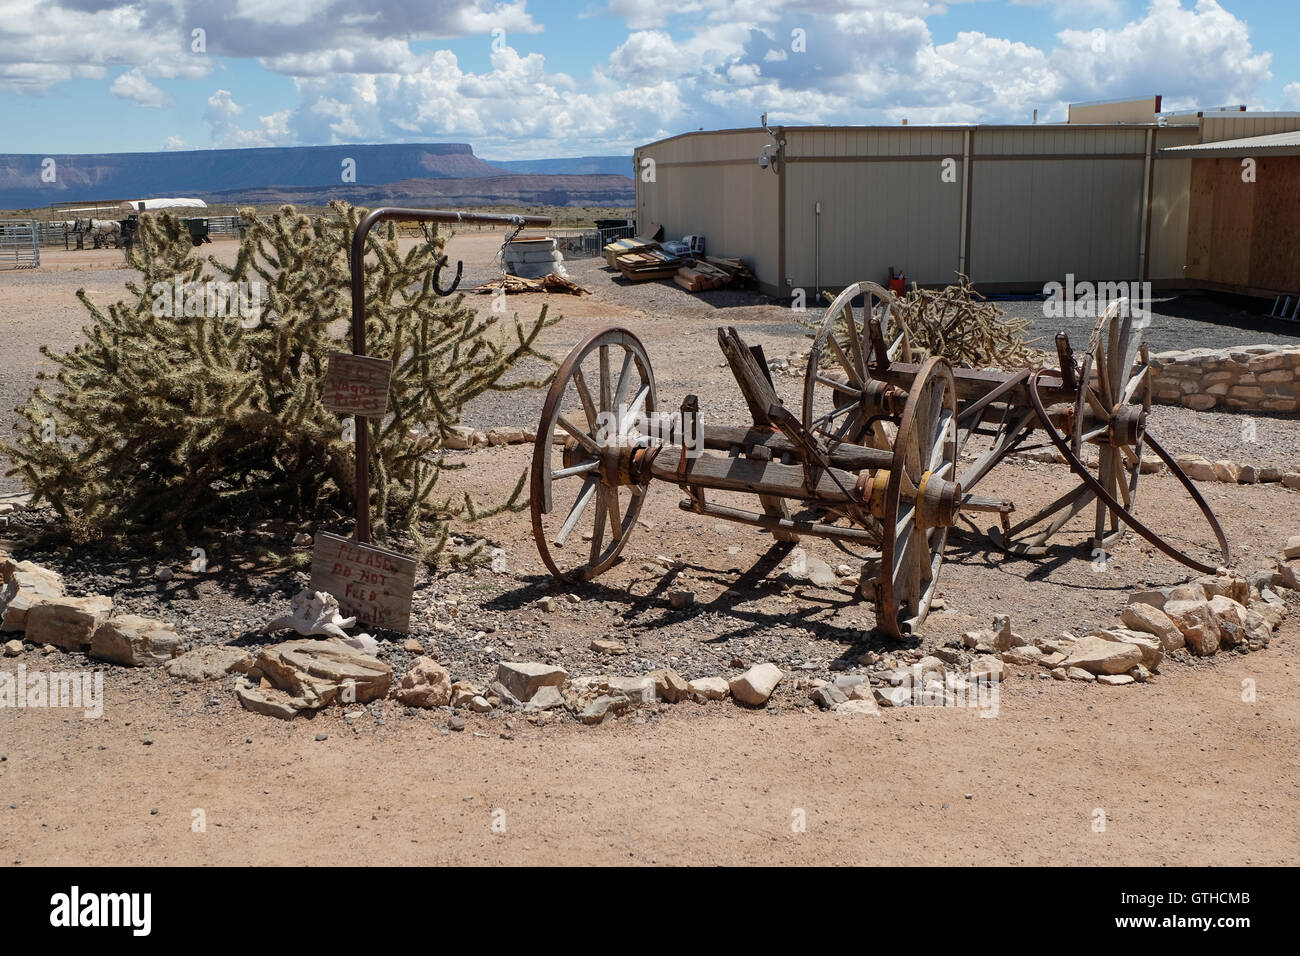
(670, 685)
(1152, 620)
(829, 697)
(857, 707)
(681, 599)
(13, 648)
(523, 678)
(1059, 673)
(756, 685)
(456, 722)
(211, 662)
(1292, 549)
(709, 688)
(1114, 680)
(546, 698)
(412, 646)
(600, 708)
(164, 574)
(1194, 620)
(479, 705)
(1140, 674)
(302, 540)
(604, 646)
(546, 604)
(987, 667)
(426, 683)
(131, 640)
(322, 736)
(1078, 673)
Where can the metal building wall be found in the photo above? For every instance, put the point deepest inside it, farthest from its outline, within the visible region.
(1171, 181)
(884, 203)
(711, 184)
(1220, 126)
(1056, 200)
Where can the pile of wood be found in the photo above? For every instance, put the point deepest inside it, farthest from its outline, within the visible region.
(700, 275)
(621, 247)
(713, 272)
(547, 283)
(645, 264)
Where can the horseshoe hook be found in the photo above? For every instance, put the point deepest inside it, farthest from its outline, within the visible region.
(437, 269)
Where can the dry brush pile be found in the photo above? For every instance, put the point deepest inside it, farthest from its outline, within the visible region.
(962, 326)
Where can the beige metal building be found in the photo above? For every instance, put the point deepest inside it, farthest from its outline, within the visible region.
(1013, 207)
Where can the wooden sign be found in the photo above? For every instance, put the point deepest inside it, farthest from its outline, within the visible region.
(356, 385)
(372, 583)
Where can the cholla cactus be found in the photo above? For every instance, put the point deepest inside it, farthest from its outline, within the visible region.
(175, 414)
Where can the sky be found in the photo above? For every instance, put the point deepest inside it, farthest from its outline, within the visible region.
(524, 79)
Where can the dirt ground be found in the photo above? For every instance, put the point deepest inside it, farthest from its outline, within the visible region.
(1182, 769)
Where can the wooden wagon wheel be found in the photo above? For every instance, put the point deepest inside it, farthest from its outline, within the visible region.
(1123, 513)
(576, 456)
(1114, 397)
(840, 364)
(915, 525)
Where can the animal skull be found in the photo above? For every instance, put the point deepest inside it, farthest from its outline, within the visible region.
(314, 612)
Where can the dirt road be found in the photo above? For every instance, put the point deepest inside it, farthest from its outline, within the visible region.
(1183, 770)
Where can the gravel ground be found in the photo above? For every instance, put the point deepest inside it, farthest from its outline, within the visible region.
(747, 610)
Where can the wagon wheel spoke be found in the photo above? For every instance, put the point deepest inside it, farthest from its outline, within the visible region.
(583, 439)
(606, 386)
(588, 403)
(598, 526)
(575, 512)
(615, 519)
(845, 364)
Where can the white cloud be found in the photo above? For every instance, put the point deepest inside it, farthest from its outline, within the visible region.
(132, 85)
(174, 143)
(1291, 92)
(359, 75)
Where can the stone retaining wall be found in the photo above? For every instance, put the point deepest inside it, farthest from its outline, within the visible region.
(1261, 378)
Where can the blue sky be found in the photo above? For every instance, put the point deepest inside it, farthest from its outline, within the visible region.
(532, 78)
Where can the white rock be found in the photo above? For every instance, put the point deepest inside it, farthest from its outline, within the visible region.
(709, 688)
(1152, 620)
(756, 685)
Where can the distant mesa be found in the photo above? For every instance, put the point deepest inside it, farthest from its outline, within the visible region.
(446, 172)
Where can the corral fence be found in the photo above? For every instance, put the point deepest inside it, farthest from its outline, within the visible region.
(226, 226)
(610, 234)
(19, 245)
(576, 243)
(51, 233)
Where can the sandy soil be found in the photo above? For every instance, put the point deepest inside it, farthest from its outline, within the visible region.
(1184, 771)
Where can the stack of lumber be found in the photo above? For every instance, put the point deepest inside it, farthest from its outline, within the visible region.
(645, 264)
(741, 275)
(701, 276)
(713, 272)
(623, 246)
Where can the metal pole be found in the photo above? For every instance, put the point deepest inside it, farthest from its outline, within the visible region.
(357, 264)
